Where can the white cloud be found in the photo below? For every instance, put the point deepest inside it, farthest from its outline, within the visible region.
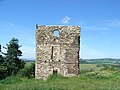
(115, 23)
(65, 20)
(95, 27)
(11, 24)
(105, 25)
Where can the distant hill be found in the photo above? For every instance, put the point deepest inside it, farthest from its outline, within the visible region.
(100, 61)
(89, 61)
(28, 59)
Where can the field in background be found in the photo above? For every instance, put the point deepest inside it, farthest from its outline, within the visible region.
(100, 61)
(28, 63)
(94, 67)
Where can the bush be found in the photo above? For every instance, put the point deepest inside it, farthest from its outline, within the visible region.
(111, 67)
(28, 72)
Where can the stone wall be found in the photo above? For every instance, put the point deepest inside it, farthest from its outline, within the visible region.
(57, 54)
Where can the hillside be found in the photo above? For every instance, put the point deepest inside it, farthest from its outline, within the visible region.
(100, 61)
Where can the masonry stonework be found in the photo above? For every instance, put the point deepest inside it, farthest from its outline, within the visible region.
(57, 54)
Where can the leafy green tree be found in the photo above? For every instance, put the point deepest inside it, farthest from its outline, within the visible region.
(12, 57)
(3, 68)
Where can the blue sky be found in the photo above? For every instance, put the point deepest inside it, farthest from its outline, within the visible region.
(99, 21)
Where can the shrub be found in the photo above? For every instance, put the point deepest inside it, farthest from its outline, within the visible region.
(28, 72)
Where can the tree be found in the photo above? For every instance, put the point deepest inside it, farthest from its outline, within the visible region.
(3, 69)
(12, 57)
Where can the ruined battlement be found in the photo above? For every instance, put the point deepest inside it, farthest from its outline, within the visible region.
(57, 50)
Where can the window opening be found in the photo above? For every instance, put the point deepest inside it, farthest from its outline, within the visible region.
(52, 54)
(56, 33)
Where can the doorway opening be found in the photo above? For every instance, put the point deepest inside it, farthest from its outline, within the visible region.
(55, 72)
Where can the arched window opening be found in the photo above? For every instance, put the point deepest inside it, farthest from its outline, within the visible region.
(56, 33)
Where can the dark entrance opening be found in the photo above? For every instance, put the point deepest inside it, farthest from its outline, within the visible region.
(55, 72)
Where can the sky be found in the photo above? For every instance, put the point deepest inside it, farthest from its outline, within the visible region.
(99, 21)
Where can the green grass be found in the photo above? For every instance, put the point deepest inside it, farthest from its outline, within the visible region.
(90, 80)
(62, 83)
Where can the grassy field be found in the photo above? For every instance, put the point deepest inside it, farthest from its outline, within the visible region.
(95, 79)
(90, 67)
(28, 63)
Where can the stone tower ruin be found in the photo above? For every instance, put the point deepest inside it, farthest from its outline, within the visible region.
(57, 53)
